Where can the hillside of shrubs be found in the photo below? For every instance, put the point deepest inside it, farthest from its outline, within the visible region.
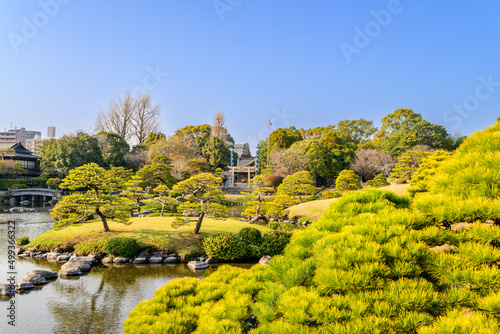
(375, 262)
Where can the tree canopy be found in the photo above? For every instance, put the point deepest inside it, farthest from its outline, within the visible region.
(202, 196)
(94, 196)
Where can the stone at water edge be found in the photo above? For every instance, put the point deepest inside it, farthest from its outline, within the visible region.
(265, 259)
(171, 259)
(23, 286)
(69, 272)
(155, 259)
(35, 280)
(40, 273)
(198, 265)
(18, 250)
(107, 260)
(52, 256)
(140, 260)
(62, 258)
(6, 289)
(121, 259)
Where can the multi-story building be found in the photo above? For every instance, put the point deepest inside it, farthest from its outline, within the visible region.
(34, 145)
(12, 137)
(51, 131)
(27, 134)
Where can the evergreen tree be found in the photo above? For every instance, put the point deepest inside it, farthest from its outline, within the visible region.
(347, 180)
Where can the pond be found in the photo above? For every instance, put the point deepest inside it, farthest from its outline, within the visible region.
(95, 303)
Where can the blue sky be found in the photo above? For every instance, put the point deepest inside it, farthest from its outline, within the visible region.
(297, 63)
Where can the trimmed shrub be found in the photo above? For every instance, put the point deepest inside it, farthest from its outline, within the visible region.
(21, 241)
(250, 235)
(274, 242)
(19, 186)
(224, 246)
(379, 181)
(120, 246)
(330, 194)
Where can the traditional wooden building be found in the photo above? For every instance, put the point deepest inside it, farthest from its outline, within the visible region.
(29, 161)
(243, 172)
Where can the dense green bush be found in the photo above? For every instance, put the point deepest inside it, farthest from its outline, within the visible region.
(250, 235)
(274, 242)
(224, 246)
(19, 186)
(378, 181)
(120, 246)
(330, 194)
(21, 241)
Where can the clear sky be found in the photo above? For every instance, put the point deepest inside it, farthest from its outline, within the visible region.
(301, 63)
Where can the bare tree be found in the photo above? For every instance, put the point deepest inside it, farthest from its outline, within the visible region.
(369, 163)
(146, 118)
(132, 118)
(218, 129)
(117, 117)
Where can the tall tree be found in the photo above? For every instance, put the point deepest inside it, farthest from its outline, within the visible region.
(200, 134)
(181, 145)
(284, 138)
(69, 152)
(96, 199)
(246, 151)
(217, 153)
(369, 163)
(114, 148)
(203, 196)
(117, 117)
(356, 131)
(218, 129)
(405, 129)
(146, 118)
(157, 173)
(131, 117)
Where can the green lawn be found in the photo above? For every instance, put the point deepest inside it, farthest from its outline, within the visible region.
(154, 231)
(311, 210)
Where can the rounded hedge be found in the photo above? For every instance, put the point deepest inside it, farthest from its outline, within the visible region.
(274, 242)
(250, 235)
(224, 246)
(120, 246)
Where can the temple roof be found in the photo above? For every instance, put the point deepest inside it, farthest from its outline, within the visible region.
(21, 151)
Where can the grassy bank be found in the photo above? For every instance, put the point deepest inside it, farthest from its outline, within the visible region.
(314, 209)
(149, 231)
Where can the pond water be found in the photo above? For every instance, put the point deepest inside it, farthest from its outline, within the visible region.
(95, 303)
